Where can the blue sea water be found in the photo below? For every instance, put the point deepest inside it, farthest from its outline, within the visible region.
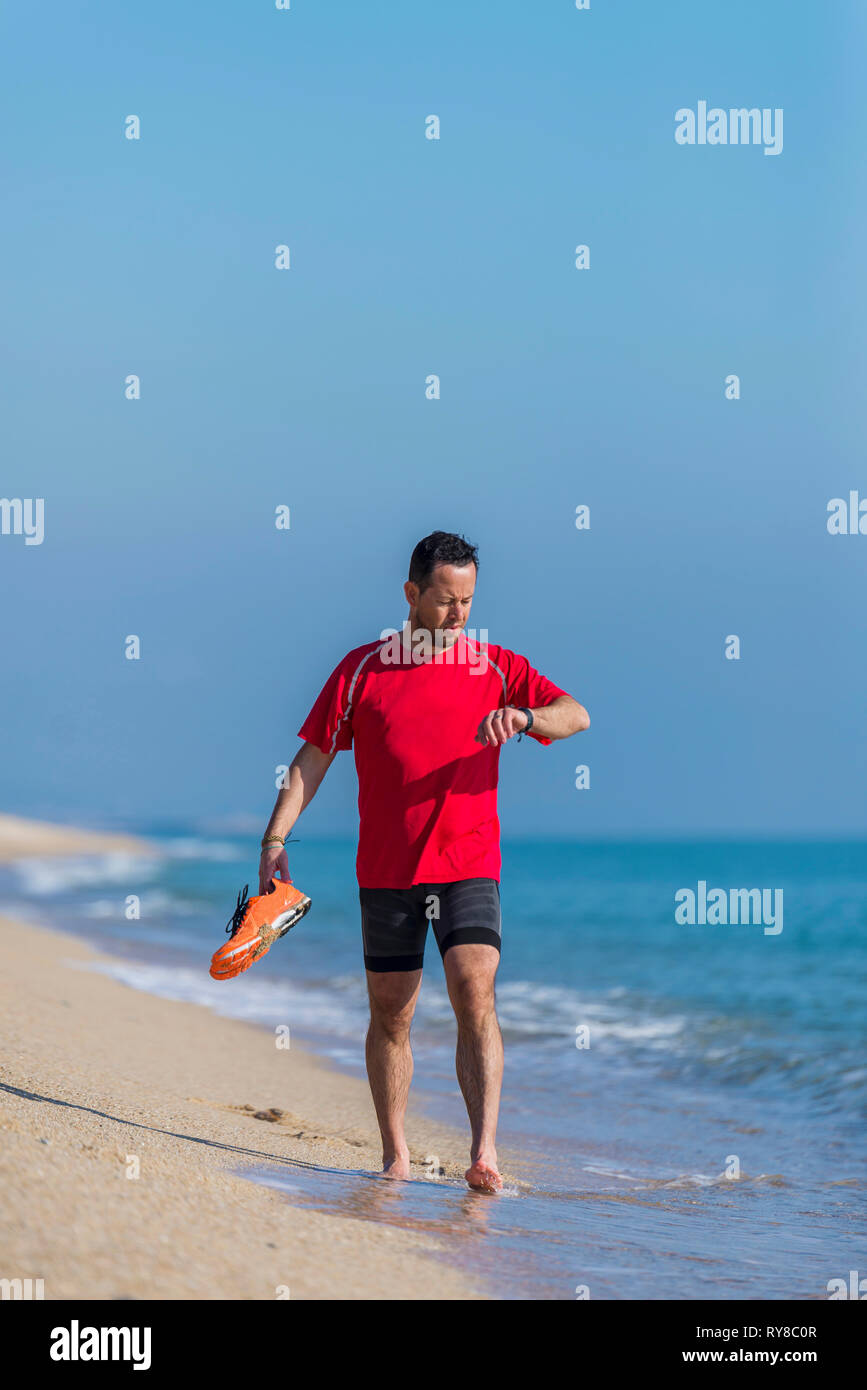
(704, 1139)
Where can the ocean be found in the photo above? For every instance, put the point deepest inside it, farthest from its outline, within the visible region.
(690, 1096)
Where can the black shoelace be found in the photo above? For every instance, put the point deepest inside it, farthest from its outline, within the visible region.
(238, 915)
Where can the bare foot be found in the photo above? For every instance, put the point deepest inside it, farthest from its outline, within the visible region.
(483, 1177)
(396, 1168)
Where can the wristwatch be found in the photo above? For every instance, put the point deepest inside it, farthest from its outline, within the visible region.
(529, 714)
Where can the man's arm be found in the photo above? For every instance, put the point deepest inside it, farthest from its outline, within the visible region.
(300, 785)
(562, 718)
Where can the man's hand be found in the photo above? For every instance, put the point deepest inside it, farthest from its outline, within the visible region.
(501, 725)
(274, 858)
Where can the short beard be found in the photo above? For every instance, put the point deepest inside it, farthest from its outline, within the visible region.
(441, 639)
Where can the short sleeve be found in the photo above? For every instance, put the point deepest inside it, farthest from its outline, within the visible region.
(329, 723)
(527, 688)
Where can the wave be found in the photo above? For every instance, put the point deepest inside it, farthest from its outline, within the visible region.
(529, 1010)
(216, 851)
(266, 1001)
(43, 878)
(154, 902)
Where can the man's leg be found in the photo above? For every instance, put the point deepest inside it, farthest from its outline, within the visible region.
(393, 996)
(470, 970)
(393, 929)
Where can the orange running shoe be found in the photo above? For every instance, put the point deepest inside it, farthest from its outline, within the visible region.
(256, 924)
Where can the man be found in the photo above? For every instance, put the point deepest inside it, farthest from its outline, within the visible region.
(427, 713)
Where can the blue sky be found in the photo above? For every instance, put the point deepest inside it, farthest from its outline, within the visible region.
(559, 387)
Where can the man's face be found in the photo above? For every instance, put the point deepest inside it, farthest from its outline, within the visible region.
(444, 605)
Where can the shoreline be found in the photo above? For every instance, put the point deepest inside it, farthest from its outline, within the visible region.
(99, 1080)
(128, 1120)
(621, 1143)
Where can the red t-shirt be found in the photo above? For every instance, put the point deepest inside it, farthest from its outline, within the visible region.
(427, 792)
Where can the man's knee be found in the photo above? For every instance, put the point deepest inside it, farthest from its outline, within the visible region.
(474, 1007)
(392, 1001)
(393, 1022)
(472, 995)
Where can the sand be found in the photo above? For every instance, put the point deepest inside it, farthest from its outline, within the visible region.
(98, 1080)
(20, 839)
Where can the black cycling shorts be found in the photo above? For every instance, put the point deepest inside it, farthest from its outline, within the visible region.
(394, 921)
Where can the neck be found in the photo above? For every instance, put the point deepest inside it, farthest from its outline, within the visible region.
(437, 638)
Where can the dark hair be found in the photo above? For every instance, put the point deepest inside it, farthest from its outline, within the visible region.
(440, 548)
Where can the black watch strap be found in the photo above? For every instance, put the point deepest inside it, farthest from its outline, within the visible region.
(529, 714)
